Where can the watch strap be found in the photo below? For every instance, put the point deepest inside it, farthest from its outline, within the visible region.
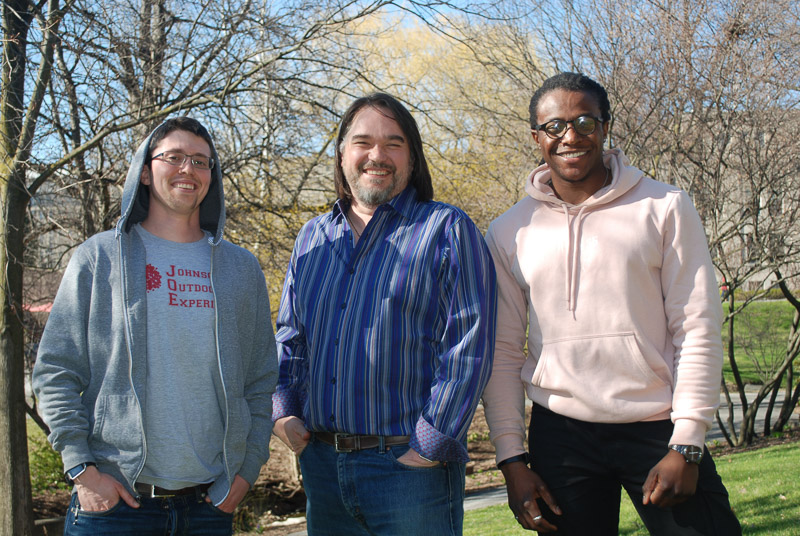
(78, 470)
(518, 458)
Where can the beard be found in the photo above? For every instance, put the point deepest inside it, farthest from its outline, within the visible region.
(374, 196)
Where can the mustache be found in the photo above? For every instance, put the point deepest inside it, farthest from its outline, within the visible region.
(376, 165)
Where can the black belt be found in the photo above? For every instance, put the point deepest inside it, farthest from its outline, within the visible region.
(154, 492)
(350, 442)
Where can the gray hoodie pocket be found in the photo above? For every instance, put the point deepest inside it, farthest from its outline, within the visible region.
(238, 429)
(116, 435)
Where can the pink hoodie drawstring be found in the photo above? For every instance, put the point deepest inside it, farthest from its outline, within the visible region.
(573, 246)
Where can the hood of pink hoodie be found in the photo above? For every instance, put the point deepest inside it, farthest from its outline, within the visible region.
(623, 178)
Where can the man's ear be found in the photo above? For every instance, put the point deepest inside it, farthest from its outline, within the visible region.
(535, 135)
(145, 178)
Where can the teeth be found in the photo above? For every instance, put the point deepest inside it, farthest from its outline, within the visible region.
(573, 155)
(377, 172)
(183, 186)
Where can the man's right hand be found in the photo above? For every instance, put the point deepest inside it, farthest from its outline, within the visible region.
(524, 488)
(99, 492)
(293, 433)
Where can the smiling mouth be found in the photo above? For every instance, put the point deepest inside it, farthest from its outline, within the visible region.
(572, 154)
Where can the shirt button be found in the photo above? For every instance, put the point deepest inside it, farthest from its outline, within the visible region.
(335, 341)
(331, 418)
(343, 305)
(333, 380)
(352, 270)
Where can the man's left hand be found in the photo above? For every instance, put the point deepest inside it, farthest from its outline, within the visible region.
(413, 459)
(239, 489)
(671, 481)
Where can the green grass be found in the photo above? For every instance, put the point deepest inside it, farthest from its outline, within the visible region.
(761, 331)
(763, 485)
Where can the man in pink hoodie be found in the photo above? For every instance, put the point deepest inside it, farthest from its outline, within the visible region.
(609, 318)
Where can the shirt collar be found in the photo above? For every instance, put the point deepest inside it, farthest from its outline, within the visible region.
(402, 203)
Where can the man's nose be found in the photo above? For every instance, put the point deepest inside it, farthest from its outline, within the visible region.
(187, 165)
(570, 134)
(376, 153)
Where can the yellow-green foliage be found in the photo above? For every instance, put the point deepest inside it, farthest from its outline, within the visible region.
(47, 472)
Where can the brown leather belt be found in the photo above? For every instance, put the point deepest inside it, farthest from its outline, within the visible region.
(154, 492)
(351, 443)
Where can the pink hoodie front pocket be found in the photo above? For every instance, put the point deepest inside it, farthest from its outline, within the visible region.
(599, 378)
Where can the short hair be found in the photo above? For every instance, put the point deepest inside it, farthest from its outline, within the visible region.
(141, 203)
(420, 174)
(571, 82)
(180, 123)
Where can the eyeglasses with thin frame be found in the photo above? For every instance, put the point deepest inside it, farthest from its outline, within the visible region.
(557, 128)
(177, 159)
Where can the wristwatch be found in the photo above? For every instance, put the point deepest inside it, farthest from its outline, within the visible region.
(691, 453)
(77, 471)
(518, 458)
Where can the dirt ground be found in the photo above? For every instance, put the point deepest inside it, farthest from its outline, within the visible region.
(275, 505)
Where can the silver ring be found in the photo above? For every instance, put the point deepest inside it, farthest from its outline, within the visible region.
(536, 519)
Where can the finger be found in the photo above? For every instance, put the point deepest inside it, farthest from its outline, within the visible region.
(299, 446)
(125, 496)
(544, 493)
(534, 520)
(658, 496)
(648, 487)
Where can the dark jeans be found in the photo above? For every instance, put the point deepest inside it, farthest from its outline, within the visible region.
(369, 492)
(586, 464)
(184, 515)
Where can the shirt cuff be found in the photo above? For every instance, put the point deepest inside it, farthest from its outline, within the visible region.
(434, 445)
(688, 432)
(508, 445)
(286, 404)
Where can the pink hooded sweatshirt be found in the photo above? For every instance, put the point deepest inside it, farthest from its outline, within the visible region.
(618, 298)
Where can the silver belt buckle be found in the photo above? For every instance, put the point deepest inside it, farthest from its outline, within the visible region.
(153, 495)
(336, 446)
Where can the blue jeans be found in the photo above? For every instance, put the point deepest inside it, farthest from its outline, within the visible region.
(184, 515)
(369, 492)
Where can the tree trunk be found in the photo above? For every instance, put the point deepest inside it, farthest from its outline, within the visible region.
(16, 510)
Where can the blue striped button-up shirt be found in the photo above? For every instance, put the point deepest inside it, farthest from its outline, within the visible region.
(394, 336)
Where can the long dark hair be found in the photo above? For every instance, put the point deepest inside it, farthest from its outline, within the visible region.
(385, 103)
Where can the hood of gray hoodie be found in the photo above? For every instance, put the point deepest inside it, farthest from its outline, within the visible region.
(136, 196)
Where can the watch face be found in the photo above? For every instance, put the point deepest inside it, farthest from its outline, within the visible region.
(693, 454)
(76, 471)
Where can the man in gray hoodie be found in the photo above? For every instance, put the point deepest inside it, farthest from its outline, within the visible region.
(158, 362)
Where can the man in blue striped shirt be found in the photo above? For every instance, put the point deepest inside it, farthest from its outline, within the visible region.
(385, 339)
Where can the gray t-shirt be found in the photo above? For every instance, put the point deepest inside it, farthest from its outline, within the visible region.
(183, 422)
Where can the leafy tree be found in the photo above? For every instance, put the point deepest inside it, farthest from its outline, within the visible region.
(84, 80)
(705, 96)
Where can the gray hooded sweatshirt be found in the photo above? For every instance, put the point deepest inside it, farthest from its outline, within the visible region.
(90, 371)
